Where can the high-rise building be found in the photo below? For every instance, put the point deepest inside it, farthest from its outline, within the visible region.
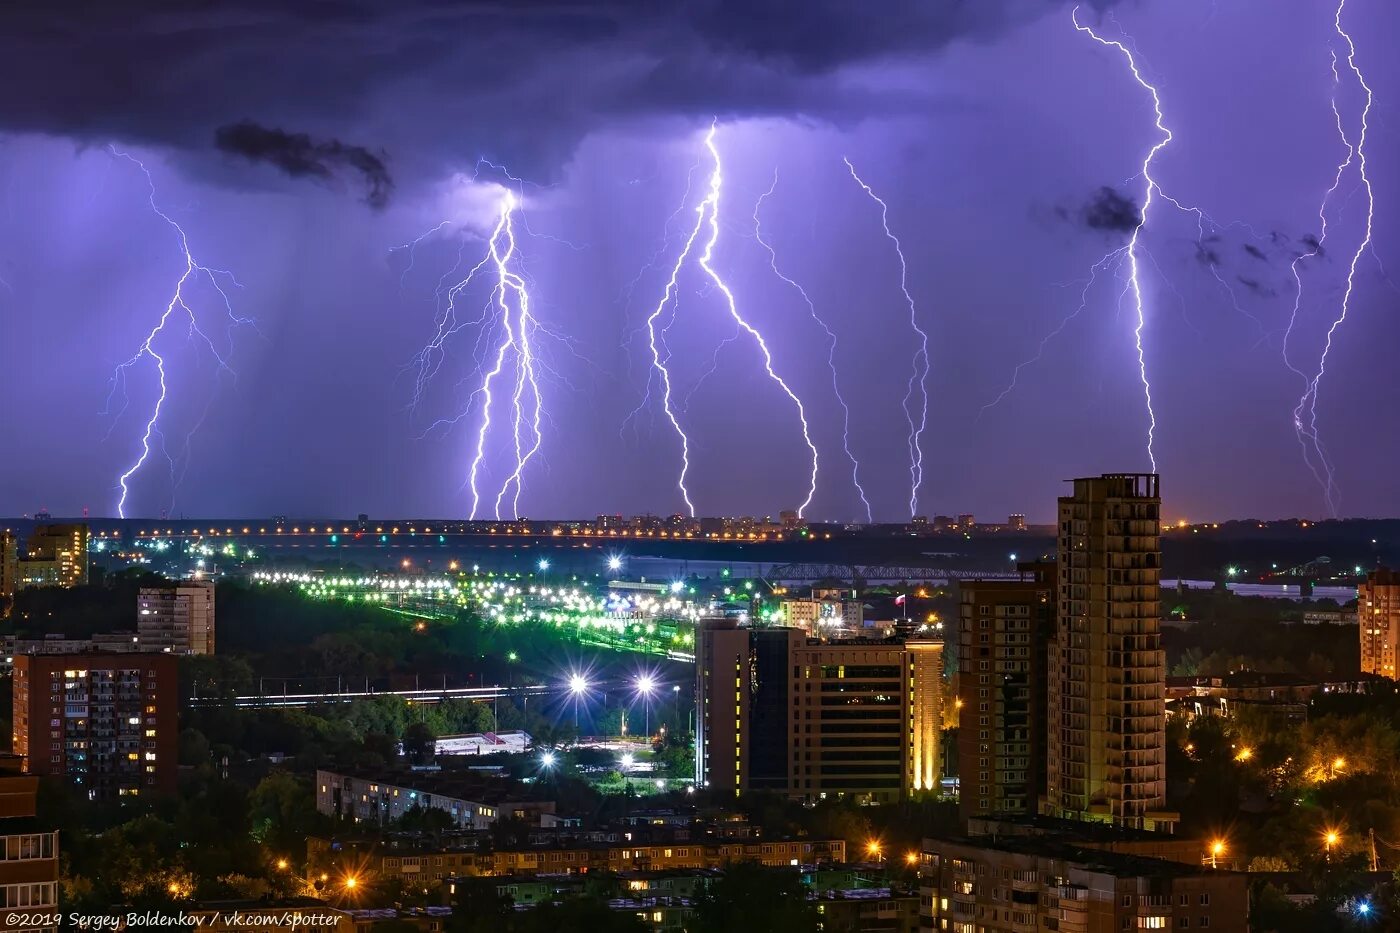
(178, 618)
(28, 853)
(1016, 522)
(1106, 749)
(105, 722)
(1378, 618)
(54, 555)
(780, 711)
(9, 569)
(1004, 631)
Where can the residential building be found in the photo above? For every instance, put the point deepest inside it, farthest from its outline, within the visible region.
(1106, 749)
(429, 865)
(54, 555)
(9, 570)
(822, 617)
(1004, 631)
(1378, 617)
(108, 723)
(473, 801)
(780, 711)
(178, 618)
(1019, 884)
(28, 849)
(1016, 522)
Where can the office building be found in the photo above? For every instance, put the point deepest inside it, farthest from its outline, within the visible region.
(1378, 617)
(1015, 884)
(106, 722)
(54, 555)
(822, 616)
(28, 849)
(806, 718)
(1106, 749)
(1016, 522)
(178, 618)
(1004, 631)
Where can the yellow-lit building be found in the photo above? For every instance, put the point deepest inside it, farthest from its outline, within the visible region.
(1378, 618)
(54, 555)
(813, 719)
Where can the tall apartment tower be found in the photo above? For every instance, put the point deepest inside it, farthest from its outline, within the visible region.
(1004, 633)
(29, 867)
(107, 723)
(1106, 748)
(9, 569)
(1378, 615)
(178, 618)
(780, 711)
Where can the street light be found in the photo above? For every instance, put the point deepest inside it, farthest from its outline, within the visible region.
(548, 759)
(1338, 764)
(1330, 839)
(1244, 754)
(1217, 849)
(543, 564)
(627, 762)
(646, 686)
(614, 563)
(578, 686)
(872, 848)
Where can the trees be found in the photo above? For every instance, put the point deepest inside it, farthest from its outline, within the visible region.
(419, 743)
(749, 896)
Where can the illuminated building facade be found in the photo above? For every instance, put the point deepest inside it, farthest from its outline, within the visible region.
(1378, 618)
(9, 569)
(28, 850)
(1106, 749)
(177, 619)
(54, 555)
(812, 719)
(105, 722)
(1004, 630)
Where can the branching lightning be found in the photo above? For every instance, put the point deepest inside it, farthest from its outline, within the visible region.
(707, 215)
(831, 345)
(1305, 412)
(918, 377)
(1132, 248)
(193, 271)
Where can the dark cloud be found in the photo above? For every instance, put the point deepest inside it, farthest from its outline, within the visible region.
(1108, 210)
(1312, 244)
(440, 82)
(1257, 287)
(1256, 252)
(300, 156)
(1206, 254)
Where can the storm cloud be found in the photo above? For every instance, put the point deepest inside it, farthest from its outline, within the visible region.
(300, 156)
(438, 84)
(1108, 210)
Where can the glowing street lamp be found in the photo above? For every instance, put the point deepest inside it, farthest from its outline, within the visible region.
(614, 563)
(578, 687)
(646, 686)
(1330, 839)
(872, 848)
(548, 759)
(1217, 849)
(543, 564)
(627, 762)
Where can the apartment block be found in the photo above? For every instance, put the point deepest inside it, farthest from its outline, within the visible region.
(54, 555)
(1004, 630)
(1378, 617)
(28, 849)
(473, 802)
(106, 723)
(1106, 748)
(178, 618)
(1028, 884)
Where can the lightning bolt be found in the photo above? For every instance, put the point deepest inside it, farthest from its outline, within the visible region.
(831, 344)
(707, 215)
(192, 273)
(919, 374)
(1133, 250)
(1305, 413)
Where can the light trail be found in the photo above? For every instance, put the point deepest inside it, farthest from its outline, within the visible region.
(919, 376)
(1305, 412)
(707, 214)
(193, 271)
(831, 345)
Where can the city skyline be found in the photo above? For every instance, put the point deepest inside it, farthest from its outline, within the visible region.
(944, 174)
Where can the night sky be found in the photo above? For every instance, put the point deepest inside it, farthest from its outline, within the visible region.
(301, 146)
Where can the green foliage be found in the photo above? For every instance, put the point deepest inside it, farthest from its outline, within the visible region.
(749, 896)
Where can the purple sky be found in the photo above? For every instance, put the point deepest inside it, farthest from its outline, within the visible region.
(988, 135)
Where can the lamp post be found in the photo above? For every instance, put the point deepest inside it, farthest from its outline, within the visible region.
(578, 686)
(646, 686)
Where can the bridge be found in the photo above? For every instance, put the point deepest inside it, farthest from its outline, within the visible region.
(427, 695)
(872, 573)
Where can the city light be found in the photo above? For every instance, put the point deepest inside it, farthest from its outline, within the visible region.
(614, 563)
(1244, 754)
(1217, 849)
(282, 864)
(548, 759)
(912, 858)
(628, 761)
(646, 684)
(543, 564)
(578, 684)
(351, 882)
